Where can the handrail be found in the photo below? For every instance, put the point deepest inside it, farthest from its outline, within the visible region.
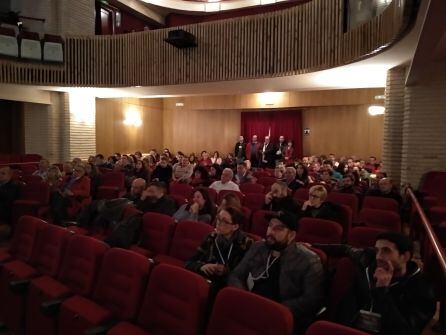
(441, 255)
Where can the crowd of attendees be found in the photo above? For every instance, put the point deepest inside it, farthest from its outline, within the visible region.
(391, 294)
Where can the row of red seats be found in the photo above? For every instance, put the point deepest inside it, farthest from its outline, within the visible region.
(76, 283)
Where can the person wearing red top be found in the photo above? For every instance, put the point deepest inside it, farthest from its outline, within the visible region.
(205, 159)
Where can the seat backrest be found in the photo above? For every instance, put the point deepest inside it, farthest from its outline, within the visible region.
(266, 181)
(433, 183)
(259, 224)
(184, 190)
(345, 220)
(380, 219)
(340, 283)
(254, 201)
(157, 232)
(348, 199)
(113, 179)
(241, 312)
(187, 238)
(212, 194)
(363, 237)
(313, 230)
(301, 194)
(325, 327)
(246, 188)
(381, 203)
(36, 191)
(222, 193)
(121, 283)
(175, 302)
(50, 249)
(25, 237)
(81, 264)
(179, 199)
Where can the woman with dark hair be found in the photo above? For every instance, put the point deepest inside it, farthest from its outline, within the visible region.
(215, 172)
(289, 153)
(141, 171)
(200, 177)
(205, 160)
(201, 209)
(216, 159)
(302, 176)
(193, 159)
(229, 162)
(221, 250)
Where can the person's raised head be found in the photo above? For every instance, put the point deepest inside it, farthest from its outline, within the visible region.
(227, 175)
(281, 230)
(393, 250)
(137, 187)
(228, 221)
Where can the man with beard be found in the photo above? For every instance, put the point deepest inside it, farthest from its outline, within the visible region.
(279, 269)
(390, 294)
(153, 199)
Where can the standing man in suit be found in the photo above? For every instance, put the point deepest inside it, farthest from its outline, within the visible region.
(240, 150)
(268, 152)
(252, 152)
(281, 147)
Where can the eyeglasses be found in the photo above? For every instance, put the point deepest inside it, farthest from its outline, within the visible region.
(314, 196)
(221, 221)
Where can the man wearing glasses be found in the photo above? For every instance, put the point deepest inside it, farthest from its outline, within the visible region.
(279, 269)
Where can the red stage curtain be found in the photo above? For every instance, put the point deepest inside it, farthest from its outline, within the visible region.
(281, 122)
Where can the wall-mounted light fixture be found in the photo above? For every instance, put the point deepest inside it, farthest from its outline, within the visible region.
(133, 118)
(270, 98)
(376, 110)
(179, 104)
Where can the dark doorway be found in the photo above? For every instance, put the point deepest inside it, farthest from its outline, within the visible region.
(12, 134)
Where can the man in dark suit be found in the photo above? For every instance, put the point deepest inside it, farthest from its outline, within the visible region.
(268, 152)
(281, 147)
(253, 151)
(240, 150)
(9, 192)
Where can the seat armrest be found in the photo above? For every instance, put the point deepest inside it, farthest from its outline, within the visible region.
(100, 330)
(51, 308)
(19, 286)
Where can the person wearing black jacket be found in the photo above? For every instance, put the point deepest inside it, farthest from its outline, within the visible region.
(153, 199)
(316, 206)
(240, 150)
(9, 192)
(390, 294)
(278, 199)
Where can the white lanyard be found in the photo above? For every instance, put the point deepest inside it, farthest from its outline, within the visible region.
(265, 273)
(221, 256)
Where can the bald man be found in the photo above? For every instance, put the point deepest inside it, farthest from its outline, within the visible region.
(138, 186)
(9, 192)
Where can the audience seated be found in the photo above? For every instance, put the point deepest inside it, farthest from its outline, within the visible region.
(9, 192)
(182, 171)
(240, 150)
(54, 178)
(205, 160)
(163, 171)
(200, 177)
(390, 295)
(136, 189)
(302, 176)
(279, 269)
(154, 199)
(290, 179)
(42, 172)
(230, 200)
(201, 209)
(386, 190)
(317, 207)
(225, 182)
(243, 175)
(279, 200)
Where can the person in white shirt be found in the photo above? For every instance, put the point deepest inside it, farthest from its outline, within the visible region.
(225, 183)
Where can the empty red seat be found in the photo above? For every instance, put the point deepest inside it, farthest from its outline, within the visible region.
(182, 189)
(301, 194)
(381, 203)
(34, 196)
(82, 261)
(170, 308)
(222, 193)
(326, 327)
(180, 200)
(241, 312)
(23, 241)
(266, 181)
(45, 260)
(340, 284)
(312, 230)
(345, 220)
(111, 185)
(187, 238)
(156, 236)
(348, 199)
(380, 219)
(254, 201)
(117, 294)
(259, 224)
(363, 237)
(432, 186)
(246, 188)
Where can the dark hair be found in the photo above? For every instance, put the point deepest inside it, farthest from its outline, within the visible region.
(236, 215)
(304, 177)
(158, 184)
(328, 162)
(209, 206)
(218, 171)
(233, 198)
(203, 171)
(100, 156)
(402, 242)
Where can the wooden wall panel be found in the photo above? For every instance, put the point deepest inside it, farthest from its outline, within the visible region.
(343, 130)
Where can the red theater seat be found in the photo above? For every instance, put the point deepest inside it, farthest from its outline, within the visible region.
(111, 185)
(34, 197)
(378, 218)
(117, 294)
(330, 328)
(266, 181)
(381, 203)
(186, 239)
(83, 258)
(254, 201)
(312, 230)
(170, 308)
(241, 312)
(363, 237)
(251, 188)
(350, 200)
(222, 193)
(184, 190)
(259, 224)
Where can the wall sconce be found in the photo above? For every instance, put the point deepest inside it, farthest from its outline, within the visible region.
(376, 110)
(133, 118)
(83, 106)
(270, 98)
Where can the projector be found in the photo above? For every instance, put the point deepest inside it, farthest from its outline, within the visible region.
(181, 39)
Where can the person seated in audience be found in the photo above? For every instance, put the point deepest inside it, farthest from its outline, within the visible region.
(76, 161)
(193, 159)
(290, 179)
(205, 159)
(390, 294)
(222, 250)
(225, 182)
(280, 269)
(54, 178)
(163, 171)
(200, 177)
(279, 172)
(326, 178)
(317, 207)
(100, 162)
(243, 175)
(92, 172)
(289, 153)
(141, 171)
(230, 200)
(386, 189)
(240, 150)
(182, 171)
(346, 185)
(215, 172)
(229, 162)
(302, 176)
(216, 159)
(111, 161)
(201, 209)
(371, 165)
(136, 189)
(154, 199)
(9, 192)
(279, 200)
(328, 165)
(42, 172)
(138, 155)
(74, 189)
